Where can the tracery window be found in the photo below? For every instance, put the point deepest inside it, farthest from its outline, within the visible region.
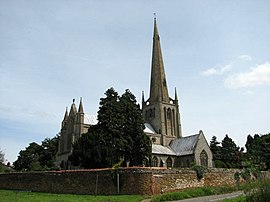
(155, 161)
(169, 162)
(204, 158)
(169, 113)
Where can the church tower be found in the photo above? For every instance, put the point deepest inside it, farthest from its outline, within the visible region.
(161, 111)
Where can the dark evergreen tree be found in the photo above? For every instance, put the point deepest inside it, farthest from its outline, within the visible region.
(137, 143)
(230, 153)
(215, 148)
(258, 150)
(117, 137)
(216, 151)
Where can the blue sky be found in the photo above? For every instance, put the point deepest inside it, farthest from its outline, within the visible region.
(216, 53)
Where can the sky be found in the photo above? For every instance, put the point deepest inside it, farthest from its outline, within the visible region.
(216, 53)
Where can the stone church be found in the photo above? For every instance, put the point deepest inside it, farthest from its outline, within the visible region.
(162, 124)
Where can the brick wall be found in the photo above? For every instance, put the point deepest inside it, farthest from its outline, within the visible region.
(105, 181)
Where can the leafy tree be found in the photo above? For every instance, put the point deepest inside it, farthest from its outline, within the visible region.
(2, 157)
(35, 164)
(26, 157)
(117, 137)
(38, 157)
(49, 150)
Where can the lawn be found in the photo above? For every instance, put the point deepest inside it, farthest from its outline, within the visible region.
(10, 196)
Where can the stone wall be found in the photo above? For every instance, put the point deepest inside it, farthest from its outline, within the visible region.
(119, 181)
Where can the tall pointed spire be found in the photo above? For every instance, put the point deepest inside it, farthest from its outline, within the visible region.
(81, 106)
(175, 96)
(73, 109)
(143, 101)
(66, 114)
(65, 118)
(158, 83)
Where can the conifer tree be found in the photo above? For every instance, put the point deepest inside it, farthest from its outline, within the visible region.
(230, 153)
(117, 137)
(138, 145)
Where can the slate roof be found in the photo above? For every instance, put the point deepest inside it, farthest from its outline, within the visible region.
(185, 145)
(90, 119)
(159, 149)
(149, 129)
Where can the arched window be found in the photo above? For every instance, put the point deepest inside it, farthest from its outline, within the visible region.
(155, 161)
(150, 113)
(161, 163)
(169, 113)
(188, 163)
(169, 162)
(204, 158)
(146, 115)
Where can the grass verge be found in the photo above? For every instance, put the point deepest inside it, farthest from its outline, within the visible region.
(10, 196)
(206, 191)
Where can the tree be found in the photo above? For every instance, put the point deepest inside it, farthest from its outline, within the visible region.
(27, 156)
(138, 145)
(230, 153)
(38, 157)
(215, 148)
(49, 150)
(258, 150)
(117, 137)
(2, 157)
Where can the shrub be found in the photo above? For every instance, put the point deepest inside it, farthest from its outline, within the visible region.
(199, 171)
(261, 194)
(246, 174)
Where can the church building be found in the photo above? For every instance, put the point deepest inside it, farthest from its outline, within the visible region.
(162, 123)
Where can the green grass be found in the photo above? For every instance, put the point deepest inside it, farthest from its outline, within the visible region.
(236, 199)
(262, 193)
(203, 191)
(10, 196)
(195, 192)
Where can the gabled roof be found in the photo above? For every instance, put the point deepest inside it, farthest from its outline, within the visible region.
(185, 145)
(149, 129)
(90, 119)
(159, 149)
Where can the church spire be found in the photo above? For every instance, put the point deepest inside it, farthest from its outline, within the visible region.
(158, 84)
(73, 109)
(175, 96)
(81, 106)
(66, 114)
(143, 101)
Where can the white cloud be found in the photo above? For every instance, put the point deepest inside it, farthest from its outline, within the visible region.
(245, 57)
(260, 75)
(217, 70)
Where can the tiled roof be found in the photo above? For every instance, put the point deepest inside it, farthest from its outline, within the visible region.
(159, 149)
(90, 119)
(149, 129)
(184, 145)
